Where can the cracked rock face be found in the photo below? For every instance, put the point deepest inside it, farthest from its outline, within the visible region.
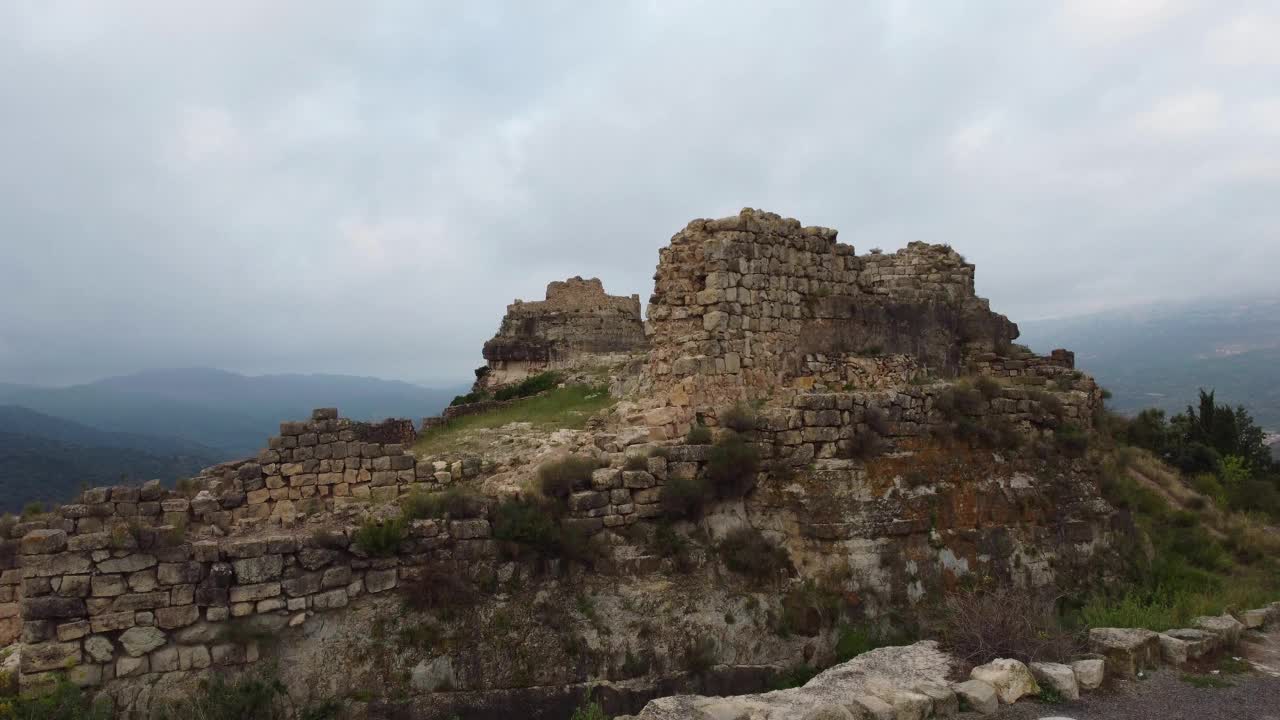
(886, 676)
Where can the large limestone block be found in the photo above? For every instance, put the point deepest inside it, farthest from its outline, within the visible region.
(829, 711)
(432, 675)
(1011, 679)
(1199, 642)
(1227, 628)
(978, 696)
(1254, 619)
(49, 656)
(1173, 650)
(1089, 673)
(945, 703)
(44, 542)
(1057, 676)
(1127, 650)
(138, 641)
(870, 706)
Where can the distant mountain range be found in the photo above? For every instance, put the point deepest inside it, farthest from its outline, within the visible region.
(1159, 356)
(171, 423)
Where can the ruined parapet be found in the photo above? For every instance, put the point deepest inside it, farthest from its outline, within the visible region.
(746, 305)
(577, 321)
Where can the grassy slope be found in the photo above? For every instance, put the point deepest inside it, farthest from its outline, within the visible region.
(568, 407)
(1202, 561)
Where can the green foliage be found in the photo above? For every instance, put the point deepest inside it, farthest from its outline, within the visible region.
(732, 466)
(63, 702)
(684, 497)
(531, 385)
(668, 543)
(988, 387)
(32, 509)
(957, 400)
(738, 418)
(700, 655)
(559, 478)
(853, 640)
(247, 697)
(474, 396)
(455, 503)
(699, 434)
(380, 538)
(567, 407)
(793, 677)
(748, 552)
(589, 711)
(528, 522)
(1071, 441)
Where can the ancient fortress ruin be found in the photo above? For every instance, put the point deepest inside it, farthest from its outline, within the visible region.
(884, 472)
(576, 322)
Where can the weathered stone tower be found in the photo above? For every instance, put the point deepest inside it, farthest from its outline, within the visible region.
(576, 322)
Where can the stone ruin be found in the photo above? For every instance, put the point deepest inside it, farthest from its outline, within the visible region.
(133, 583)
(577, 321)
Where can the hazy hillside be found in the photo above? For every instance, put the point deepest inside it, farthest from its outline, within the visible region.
(44, 458)
(226, 411)
(1159, 356)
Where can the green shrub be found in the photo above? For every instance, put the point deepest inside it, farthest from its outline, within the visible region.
(530, 523)
(1071, 441)
(987, 387)
(792, 677)
(247, 697)
(853, 640)
(531, 385)
(1050, 406)
(668, 543)
(455, 503)
(865, 445)
(958, 399)
(589, 711)
(32, 509)
(699, 434)
(700, 655)
(877, 421)
(684, 497)
(474, 396)
(748, 552)
(64, 701)
(732, 466)
(561, 477)
(380, 538)
(738, 418)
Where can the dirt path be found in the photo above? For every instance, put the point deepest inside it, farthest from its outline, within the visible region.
(1164, 695)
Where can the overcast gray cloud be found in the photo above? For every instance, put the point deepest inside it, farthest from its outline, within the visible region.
(361, 187)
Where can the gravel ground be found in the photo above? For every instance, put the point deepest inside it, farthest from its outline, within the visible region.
(1163, 696)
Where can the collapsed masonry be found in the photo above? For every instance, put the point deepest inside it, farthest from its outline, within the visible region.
(128, 585)
(577, 321)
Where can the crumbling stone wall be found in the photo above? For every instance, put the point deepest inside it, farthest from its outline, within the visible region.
(740, 304)
(576, 319)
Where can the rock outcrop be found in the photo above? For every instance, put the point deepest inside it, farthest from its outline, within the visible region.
(576, 322)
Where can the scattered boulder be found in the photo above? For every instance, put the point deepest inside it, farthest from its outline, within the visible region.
(1057, 676)
(1198, 642)
(977, 696)
(1089, 673)
(945, 703)
(1173, 650)
(1128, 651)
(1011, 679)
(1254, 619)
(1227, 628)
(829, 711)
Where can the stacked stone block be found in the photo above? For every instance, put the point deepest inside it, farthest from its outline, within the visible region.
(98, 612)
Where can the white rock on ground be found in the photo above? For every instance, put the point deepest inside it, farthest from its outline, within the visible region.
(852, 685)
(1057, 676)
(1089, 673)
(977, 696)
(1011, 679)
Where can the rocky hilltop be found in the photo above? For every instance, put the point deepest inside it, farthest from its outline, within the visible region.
(798, 436)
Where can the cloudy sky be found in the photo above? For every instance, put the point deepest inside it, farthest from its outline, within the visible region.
(361, 187)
